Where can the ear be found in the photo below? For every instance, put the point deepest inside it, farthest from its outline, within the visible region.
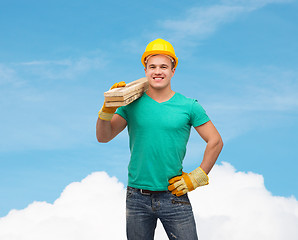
(173, 70)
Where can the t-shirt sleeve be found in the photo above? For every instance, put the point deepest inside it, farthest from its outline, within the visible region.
(198, 115)
(122, 112)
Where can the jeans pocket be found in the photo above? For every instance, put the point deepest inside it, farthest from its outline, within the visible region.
(180, 202)
(129, 193)
(184, 200)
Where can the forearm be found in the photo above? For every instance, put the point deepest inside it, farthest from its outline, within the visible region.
(106, 128)
(187, 182)
(211, 154)
(103, 130)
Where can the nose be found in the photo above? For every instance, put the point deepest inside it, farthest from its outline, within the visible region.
(158, 70)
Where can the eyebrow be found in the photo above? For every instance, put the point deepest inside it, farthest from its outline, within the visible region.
(161, 65)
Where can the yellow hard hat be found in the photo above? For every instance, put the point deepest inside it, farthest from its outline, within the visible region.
(159, 46)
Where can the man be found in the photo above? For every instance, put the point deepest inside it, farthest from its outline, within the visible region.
(159, 126)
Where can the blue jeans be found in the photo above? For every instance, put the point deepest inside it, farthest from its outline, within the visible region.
(175, 214)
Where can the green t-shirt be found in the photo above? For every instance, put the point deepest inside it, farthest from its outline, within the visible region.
(158, 135)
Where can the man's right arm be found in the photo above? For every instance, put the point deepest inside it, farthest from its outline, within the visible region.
(109, 125)
(107, 130)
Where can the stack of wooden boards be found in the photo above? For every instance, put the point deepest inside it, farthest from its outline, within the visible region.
(118, 97)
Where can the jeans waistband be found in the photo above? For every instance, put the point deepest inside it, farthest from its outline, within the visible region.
(146, 192)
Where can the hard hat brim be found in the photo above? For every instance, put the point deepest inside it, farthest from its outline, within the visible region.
(155, 52)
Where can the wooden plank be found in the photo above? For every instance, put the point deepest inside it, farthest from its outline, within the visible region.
(122, 98)
(125, 95)
(141, 83)
(125, 102)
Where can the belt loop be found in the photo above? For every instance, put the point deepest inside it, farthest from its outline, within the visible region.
(144, 193)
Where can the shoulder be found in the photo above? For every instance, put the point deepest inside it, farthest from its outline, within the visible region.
(133, 104)
(185, 100)
(191, 104)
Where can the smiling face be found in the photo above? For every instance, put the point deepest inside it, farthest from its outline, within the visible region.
(159, 72)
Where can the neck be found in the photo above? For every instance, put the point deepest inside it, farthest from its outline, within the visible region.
(160, 95)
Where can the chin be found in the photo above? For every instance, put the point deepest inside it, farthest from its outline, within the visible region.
(157, 86)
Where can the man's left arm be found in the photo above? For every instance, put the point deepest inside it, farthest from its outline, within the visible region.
(214, 145)
(198, 177)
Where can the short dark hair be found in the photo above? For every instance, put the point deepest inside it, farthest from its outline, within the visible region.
(173, 63)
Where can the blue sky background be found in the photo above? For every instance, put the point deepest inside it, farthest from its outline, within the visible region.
(238, 58)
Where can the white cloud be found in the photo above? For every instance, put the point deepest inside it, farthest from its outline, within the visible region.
(5, 74)
(8, 76)
(202, 21)
(46, 115)
(63, 68)
(255, 97)
(46, 106)
(91, 209)
(253, 3)
(235, 205)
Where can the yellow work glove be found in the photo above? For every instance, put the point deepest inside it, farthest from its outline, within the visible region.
(106, 113)
(188, 182)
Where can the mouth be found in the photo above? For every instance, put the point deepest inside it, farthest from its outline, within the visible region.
(158, 79)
